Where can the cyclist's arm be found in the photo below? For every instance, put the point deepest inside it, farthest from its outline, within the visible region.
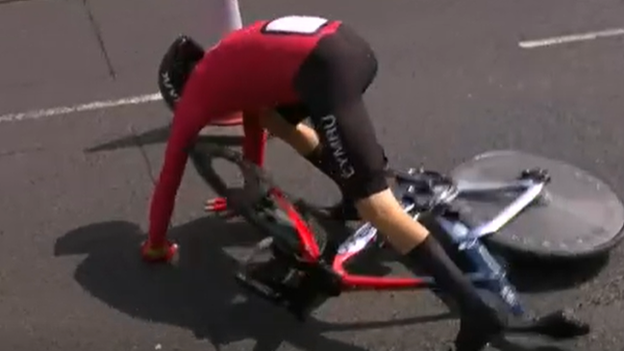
(176, 155)
(193, 112)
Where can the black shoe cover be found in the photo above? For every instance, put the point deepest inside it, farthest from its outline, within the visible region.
(476, 333)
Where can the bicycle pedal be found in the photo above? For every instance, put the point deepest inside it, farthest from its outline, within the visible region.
(284, 299)
(259, 289)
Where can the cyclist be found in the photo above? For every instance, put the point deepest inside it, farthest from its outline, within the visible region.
(280, 72)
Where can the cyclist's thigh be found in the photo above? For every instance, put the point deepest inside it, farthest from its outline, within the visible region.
(331, 83)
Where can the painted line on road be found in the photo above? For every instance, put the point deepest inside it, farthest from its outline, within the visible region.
(142, 99)
(530, 44)
(95, 105)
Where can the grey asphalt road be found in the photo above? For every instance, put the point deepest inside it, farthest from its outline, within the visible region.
(453, 83)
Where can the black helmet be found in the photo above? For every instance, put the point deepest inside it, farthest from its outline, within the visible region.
(176, 67)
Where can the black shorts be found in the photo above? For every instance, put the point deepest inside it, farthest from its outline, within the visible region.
(330, 83)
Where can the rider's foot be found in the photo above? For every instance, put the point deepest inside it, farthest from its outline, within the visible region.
(477, 329)
(479, 322)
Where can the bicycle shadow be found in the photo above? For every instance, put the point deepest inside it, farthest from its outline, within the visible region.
(198, 293)
(555, 276)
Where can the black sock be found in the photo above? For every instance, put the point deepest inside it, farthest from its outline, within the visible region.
(480, 322)
(431, 256)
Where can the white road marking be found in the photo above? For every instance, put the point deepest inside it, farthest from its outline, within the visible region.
(571, 38)
(95, 105)
(142, 99)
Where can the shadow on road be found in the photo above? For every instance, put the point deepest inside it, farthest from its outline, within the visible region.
(542, 277)
(199, 293)
(159, 136)
(526, 344)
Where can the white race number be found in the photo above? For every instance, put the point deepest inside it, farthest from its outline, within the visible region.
(295, 25)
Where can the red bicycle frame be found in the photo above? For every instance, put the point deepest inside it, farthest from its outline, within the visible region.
(310, 251)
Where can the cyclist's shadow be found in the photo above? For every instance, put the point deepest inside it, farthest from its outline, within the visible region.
(199, 293)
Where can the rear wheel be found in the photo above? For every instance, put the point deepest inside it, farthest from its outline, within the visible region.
(578, 217)
(276, 270)
(257, 199)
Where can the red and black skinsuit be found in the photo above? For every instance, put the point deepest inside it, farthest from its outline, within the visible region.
(287, 62)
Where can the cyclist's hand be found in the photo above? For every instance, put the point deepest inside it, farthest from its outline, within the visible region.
(219, 206)
(168, 252)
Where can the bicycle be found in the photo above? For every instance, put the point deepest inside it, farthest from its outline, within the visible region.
(305, 268)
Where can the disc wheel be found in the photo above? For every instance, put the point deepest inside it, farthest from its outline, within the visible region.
(577, 217)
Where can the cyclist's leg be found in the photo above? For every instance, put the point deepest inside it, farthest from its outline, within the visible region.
(287, 125)
(303, 138)
(330, 86)
(290, 129)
